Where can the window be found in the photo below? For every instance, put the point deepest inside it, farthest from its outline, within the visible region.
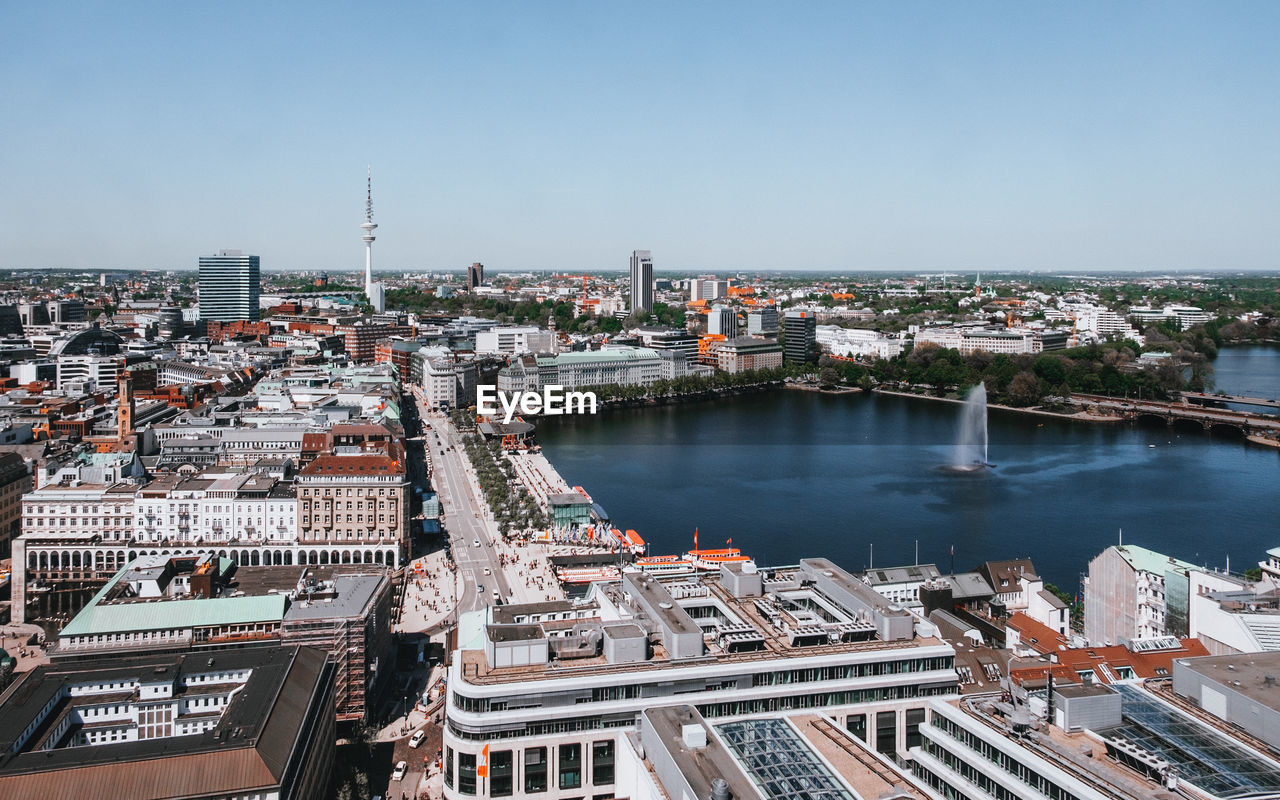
(466, 773)
(857, 725)
(602, 763)
(915, 718)
(448, 767)
(535, 770)
(501, 774)
(570, 766)
(886, 732)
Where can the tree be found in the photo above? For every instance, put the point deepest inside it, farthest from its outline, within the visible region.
(1050, 369)
(1024, 389)
(828, 377)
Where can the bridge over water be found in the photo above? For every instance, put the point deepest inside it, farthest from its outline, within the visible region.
(1182, 413)
(1202, 398)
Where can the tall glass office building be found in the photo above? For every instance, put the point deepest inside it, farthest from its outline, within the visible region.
(229, 286)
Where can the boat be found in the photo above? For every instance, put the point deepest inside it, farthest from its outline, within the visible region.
(580, 575)
(709, 560)
(664, 565)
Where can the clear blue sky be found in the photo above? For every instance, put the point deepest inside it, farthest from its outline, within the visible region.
(532, 135)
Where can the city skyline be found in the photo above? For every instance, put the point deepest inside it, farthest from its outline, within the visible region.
(846, 138)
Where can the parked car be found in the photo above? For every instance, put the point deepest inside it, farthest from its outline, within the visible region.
(397, 774)
(417, 738)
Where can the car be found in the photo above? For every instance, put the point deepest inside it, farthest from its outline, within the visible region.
(496, 597)
(398, 773)
(417, 737)
(488, 571)
(475, 542)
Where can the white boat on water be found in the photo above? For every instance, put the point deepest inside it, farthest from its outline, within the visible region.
(712, 559)
(665, 565)
(580, 575)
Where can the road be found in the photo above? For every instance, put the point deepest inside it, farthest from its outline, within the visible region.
(465, 520)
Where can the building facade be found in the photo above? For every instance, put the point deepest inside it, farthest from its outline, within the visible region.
(801, 340)
(1135, 593)
(746, 353)
(543, 709)
(511, 340)
(762, 321)
(354, 503)
(15, 481)
(230, 283)
(641, 281)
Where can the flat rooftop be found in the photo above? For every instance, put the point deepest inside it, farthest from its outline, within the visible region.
(254, 594)
(699, 765)
(1254, 675)
(791, 603)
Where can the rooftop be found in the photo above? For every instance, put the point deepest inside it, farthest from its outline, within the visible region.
(1144, 560)
(250, 747)
(1253, 675)
(245, 595)
(792, 612)
(907, 574)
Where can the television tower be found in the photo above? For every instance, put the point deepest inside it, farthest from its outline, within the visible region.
(368, 226)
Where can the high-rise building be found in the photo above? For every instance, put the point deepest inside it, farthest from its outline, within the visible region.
(801, 345)
(722, 320)
(475, 275)
(229, 286)
(763, 322)
(641, 280)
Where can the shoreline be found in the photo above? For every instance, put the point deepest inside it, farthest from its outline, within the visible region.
(680, 399)
(1083, 416)
(835, 390)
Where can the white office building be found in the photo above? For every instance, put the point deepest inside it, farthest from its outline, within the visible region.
(762, 321)
(857, 343)
(544, 695)
(509, 340)
(611, 365)
(722, 321)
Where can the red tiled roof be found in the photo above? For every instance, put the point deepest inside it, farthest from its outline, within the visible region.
(1035, 634)
(1152, 664)
(353, 465)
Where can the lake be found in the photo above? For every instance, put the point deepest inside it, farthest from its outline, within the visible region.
(857, 478)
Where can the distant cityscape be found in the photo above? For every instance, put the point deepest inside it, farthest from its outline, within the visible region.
(258, 542)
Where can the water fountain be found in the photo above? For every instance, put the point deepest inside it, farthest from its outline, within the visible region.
(971, 447)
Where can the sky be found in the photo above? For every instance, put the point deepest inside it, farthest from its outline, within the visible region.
(563, 135)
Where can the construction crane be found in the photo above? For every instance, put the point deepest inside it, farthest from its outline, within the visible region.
(585, 301)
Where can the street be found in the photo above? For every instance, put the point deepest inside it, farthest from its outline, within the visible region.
(466, 520)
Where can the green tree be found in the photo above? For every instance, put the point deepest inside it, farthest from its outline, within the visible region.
(1024, 389)
(1050, 369)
